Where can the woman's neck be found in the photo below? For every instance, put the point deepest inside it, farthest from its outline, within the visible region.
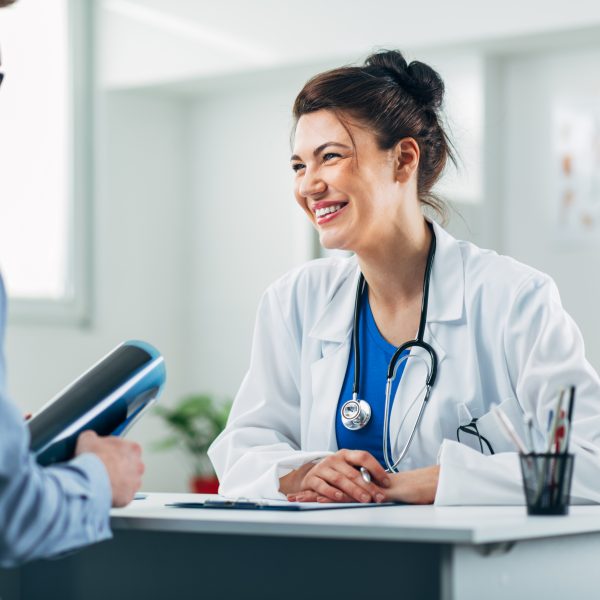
(395, 267)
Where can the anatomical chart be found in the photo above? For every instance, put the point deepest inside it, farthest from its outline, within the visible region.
(576, 130)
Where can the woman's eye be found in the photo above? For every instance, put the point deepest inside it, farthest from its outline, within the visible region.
(297, 166)
(330, 155)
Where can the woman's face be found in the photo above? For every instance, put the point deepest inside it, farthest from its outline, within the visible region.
(347, 186)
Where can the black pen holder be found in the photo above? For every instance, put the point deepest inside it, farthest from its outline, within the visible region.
(547, 482)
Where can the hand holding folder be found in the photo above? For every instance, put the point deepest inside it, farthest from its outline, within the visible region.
(107, 399)
(122, 460)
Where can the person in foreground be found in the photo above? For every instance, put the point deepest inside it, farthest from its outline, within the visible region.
(482, 329)
(47, 511)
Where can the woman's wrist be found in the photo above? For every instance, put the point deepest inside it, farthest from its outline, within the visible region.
(418, 486)
(292, 482)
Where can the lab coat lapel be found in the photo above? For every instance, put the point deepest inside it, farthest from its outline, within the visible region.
(334, 330)
(327, 378)
(447, 286)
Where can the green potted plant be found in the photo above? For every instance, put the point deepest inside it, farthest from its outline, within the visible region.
(195, 421)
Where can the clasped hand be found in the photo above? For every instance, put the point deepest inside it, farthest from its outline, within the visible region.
(337, 478)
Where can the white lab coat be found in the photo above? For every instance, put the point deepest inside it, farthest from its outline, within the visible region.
(501, 336)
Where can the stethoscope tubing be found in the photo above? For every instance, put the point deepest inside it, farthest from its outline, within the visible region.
(397, 359)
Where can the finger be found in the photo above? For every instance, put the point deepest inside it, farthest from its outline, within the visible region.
(328, 471)
(343, 484)
(86, 440)
(307, 496)
(344, 498)
(361, 458)
(377, 494)
(136, 448)
(320, 483)
(339, 474)
(312, 496)
(339, 462)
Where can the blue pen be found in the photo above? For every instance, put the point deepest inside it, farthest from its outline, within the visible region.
(528, 420)
(550, 420)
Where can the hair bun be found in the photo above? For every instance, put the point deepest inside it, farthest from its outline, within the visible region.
(418, 79)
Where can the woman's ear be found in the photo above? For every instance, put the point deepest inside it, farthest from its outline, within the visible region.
(406, 159)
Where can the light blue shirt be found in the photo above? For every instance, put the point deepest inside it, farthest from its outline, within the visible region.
(44, 511)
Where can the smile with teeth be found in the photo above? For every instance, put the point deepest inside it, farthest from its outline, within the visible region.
(321, 212)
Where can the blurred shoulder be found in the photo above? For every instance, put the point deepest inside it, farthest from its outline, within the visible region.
(493, 274)
(319, 278)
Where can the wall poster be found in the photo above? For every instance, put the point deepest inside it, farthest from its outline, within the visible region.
(576, 131)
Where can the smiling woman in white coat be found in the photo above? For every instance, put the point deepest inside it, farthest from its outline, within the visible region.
(368, 148)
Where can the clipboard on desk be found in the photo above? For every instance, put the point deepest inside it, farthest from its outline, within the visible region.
(281, 505)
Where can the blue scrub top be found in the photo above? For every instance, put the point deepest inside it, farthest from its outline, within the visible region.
(375, 355)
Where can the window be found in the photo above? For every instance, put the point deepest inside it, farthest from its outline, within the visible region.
(45, 125)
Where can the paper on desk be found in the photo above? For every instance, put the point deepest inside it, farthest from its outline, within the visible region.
(263, 502)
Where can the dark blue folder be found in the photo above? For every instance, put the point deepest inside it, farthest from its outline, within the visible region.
(108, 399)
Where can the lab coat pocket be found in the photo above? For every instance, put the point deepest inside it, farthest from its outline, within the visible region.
(489, 427)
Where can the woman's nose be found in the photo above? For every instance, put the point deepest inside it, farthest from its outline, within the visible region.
(311, 184)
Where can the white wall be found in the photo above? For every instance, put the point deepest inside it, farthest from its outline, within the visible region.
(532, 84)
(139, 271)
(248, 227)
(153, 41)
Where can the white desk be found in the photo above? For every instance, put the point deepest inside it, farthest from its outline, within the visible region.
(463, 552)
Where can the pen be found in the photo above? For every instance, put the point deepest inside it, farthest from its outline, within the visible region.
(528, 419)
(552, 436)
(569, 417)
(365, 475)
(560, 435)
(509, 430)
(571, 402)
(550, 419)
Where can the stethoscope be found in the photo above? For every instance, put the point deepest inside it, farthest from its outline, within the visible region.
(356, 413)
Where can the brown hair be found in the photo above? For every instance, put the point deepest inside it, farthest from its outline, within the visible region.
(395, 100)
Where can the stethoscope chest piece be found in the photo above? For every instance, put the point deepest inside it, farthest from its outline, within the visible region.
(355, 414)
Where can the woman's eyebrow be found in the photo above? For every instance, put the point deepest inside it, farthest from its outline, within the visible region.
(322, 147)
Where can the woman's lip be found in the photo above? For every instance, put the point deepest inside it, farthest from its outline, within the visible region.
(330, 216)
(327, 204)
